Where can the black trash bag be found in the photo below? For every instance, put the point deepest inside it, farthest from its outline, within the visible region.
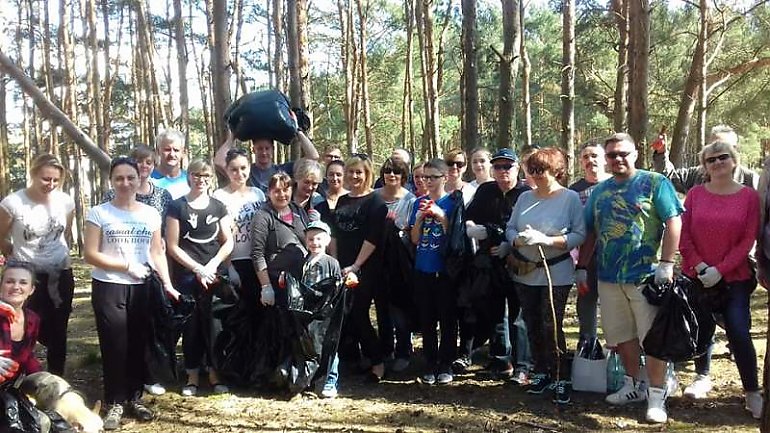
(707, 302)
(457, 250)
(589, 348)
(673, 335)
(262, 115)
(58, 424)
(167, 320)
(17, 413)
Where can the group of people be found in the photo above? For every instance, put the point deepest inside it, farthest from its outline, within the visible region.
(462, 262)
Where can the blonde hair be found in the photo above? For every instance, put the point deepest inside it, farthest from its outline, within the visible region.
(46, 160)
(366, 163)
(305, 168)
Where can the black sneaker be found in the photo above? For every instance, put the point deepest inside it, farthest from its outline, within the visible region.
(561, 392)
(113, 417)
(538, 383)
(461, 364)
(139, 411)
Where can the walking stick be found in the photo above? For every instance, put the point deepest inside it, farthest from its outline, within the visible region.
(553, 311)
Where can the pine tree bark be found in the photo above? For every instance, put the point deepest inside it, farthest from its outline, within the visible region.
(639, 59)
(620, 13)
(52, 143)
(362, 9)
(181, 62)
(508, 66)
(278, 30)
(568, 82)
(220, 69)
(5, 178)
(407, 127)
(526, 99)
(470, 78)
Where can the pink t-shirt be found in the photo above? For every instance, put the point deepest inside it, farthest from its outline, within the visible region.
(719, 230)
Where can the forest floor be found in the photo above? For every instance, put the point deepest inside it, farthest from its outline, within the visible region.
(472, 403)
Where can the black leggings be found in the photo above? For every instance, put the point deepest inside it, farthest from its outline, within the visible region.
(54, 306)
(121, 312)
(362, 327)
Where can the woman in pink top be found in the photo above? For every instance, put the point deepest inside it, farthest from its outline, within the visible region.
(719, 227)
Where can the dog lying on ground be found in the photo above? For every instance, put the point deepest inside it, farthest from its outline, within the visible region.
(52, 393)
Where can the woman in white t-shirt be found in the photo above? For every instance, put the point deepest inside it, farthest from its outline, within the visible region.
(33, 225)
(121, 237)
(242, 202)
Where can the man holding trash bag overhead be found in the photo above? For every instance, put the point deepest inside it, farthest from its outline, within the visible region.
(264, 117)
(630, 216)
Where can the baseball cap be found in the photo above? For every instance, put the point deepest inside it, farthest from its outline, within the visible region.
(505, 153)
(319, 225)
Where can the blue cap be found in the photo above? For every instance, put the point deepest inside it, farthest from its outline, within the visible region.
(319, 225)
(505, 153)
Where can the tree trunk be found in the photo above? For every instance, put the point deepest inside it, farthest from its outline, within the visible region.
(470, 78)
(108, 61)
(50, 111)
(181, 62)
(639, 59)
(568, 83)
(278, 29)
(348, 55)
(5, 178)
(620, 12)
(702, 73)
(430, 79)
(526, 99)
(220, 70)
(147, 53)
(509, 62)
(53, 139)
(363, 11)
(407, 127)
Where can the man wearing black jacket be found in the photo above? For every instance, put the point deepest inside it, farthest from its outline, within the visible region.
(491, 289)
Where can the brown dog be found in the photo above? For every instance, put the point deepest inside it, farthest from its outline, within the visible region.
(50, 392)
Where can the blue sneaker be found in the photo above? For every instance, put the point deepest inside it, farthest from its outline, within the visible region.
(329, 390)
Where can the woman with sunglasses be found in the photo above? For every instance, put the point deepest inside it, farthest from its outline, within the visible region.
(717, 254)
(357, 227)
(457, 162)
(199, 237)
(549, 221)
(34, 224)
(481, 165)
(121, 237)
(242, 202)
(398, 308)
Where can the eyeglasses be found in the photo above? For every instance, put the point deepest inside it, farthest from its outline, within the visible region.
(502, 167)
(333, 156)
(535, 170)
(613, 155)
(458, 164)
(722, 157)
(419, 177)
(433, 177)
(201, 176)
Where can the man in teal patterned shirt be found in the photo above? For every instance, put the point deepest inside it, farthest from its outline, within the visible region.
(630, 217)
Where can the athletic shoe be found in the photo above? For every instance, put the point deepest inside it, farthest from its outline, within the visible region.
(221, 389)
(656, 405)
(561, 392)
(190, 390)
(428, 378)
(699, 388)
(399, 365)
(629, 393)
(444, 378)
(155, 389)
(329, 391)
(113, 417)
(754, 403)
(139, 411)
(520, 375)
(538, 384)
(462, 364)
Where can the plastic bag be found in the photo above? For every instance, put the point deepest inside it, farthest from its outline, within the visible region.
(18, 414)
(262, 115)
(673, 335)
(589, 367)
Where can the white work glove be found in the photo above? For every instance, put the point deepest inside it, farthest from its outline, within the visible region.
(581, 281)
(531, 236)
(138, 270)
(476, 232)
(234, 276)
(501, 250)
(207, 274)
(664, 273)
(267, 295)
(8, 367)
(710, 277)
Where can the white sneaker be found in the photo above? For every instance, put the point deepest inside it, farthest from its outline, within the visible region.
(754, 403)
(656, 405)
(629, 393)
(155, 389)
(444, 378)
(699, 388)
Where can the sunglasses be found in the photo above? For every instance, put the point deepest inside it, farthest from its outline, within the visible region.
(713, 159)
(361, 156)
(502, 167)
(613, 155)
(433, 177)
(204, 176)
(392, 171)
(458, 164)
(535, 171)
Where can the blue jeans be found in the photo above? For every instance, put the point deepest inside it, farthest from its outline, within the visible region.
(737, 316)
(333, 375)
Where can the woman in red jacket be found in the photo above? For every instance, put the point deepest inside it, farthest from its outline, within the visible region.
(18, 325)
